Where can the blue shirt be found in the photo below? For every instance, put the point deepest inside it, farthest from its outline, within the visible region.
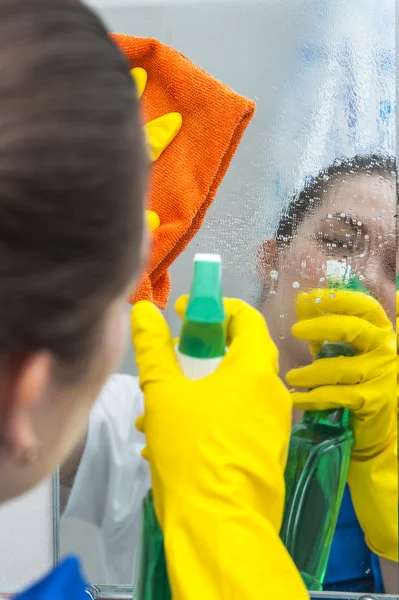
(352, 567)
(65, 582)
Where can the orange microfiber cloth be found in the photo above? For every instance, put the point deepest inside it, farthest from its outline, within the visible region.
(185, 178)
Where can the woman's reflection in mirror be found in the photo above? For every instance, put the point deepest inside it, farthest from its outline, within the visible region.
(347, 211)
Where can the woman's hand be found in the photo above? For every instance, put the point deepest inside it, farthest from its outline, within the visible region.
(365, 383)
(217, 449)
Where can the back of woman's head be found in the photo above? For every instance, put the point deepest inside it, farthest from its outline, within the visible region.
(72, 177)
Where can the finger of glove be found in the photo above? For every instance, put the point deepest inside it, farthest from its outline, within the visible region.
(140, 424)
(249, 335)
(321, 301)
(364, 336)
(363, 399)
(153, 221)
(342, 370)
(161, 132)
(328, 397)
(140, 77)
(144, 453)
(153, 343)
(181, 305)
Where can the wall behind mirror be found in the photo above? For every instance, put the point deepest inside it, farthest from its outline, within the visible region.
(322, 73)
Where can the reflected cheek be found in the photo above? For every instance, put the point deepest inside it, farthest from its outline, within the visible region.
(381, 287)
(297, 415)
(386, 294)
(307, 267)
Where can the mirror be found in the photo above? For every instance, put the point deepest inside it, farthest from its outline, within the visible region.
(314, 180)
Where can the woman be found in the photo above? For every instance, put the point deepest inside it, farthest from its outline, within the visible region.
(73, 172)
(346, 213)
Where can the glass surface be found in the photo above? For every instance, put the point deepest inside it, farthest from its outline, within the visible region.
(323, 76)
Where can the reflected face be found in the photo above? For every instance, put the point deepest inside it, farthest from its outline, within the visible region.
(355, 222)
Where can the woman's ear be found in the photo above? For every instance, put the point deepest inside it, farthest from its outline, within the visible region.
(267, 258)
(23, 384)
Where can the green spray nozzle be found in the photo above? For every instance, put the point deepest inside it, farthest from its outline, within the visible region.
(341, 276)
(203, 333)
(397, 282)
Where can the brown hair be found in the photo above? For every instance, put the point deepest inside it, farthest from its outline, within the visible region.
(311, 196)
(72, 177)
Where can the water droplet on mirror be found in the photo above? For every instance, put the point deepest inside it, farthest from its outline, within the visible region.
(296, 284)
(332, 295)
(318, 300)
(362, 277)
(322, 279)
(282, 336)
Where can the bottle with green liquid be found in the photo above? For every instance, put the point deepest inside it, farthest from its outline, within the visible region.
(317, 466)
(201, 349)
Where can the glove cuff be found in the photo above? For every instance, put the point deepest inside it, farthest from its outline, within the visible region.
(374, 489)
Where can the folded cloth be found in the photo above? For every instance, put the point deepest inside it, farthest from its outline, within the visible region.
(186, 177)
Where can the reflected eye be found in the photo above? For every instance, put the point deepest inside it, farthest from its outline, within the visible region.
(342, 234)
(334, 243)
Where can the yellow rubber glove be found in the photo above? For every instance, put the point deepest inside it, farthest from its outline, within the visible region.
(153, 220)
(217, 450)
(365, 384)
(159, 133)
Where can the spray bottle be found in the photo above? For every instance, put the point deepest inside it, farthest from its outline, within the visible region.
(318, 463)
(201, 349)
